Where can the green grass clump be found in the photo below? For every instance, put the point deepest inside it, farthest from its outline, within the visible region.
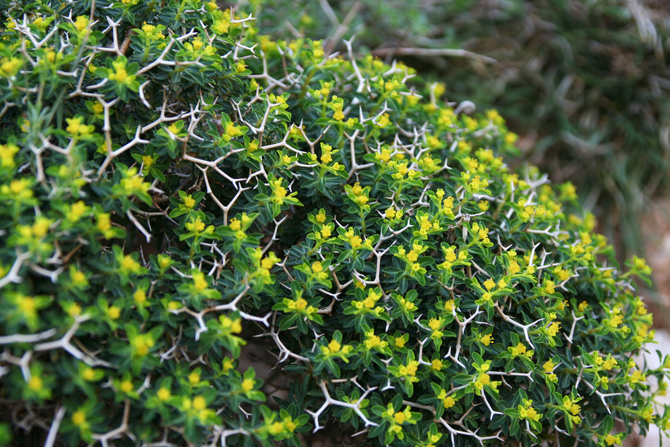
(175, 185)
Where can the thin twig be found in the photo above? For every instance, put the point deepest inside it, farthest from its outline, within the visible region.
(432, 52)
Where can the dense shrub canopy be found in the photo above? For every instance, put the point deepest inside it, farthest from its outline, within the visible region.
(173, 184)
(586, 83)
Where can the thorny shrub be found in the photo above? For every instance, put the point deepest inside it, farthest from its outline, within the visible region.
(172, 182)
(585, 83)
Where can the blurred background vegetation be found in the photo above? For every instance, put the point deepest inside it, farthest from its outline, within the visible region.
(585, 83)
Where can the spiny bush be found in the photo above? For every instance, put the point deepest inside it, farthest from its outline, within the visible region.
(173, 184)
(587, 82)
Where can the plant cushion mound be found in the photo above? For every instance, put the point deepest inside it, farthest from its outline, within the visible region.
(582, 81)
(176, 185)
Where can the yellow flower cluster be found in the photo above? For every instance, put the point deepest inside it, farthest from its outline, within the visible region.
(520, 350)
(374, 341)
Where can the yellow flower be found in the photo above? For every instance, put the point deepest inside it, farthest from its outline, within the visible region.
(276, 428)
(636, 377)
(194, 378)
(119, 73)
(147, 161)
(549, 287)
(407, 304)
(227, 365)
(196, 226)
(41, 226)
(104, 222)
(163, 394)
(326, 156)
(35, 383)
(448, 402)
(113, 312)
(10, 66)
(173, 129)
(611, 440)
(609, 364)
(129, 265)
(140, 296)
(247, 385)
(435, 323)
(548, 366)
(76, 128)
(412, 256)
(7, 153)
(81, 23)
(317, 49)
(289, 424)
(519, 349)
(411, 368)
(334, 346)
(199, 403)
(514, 268)
(221, 26)
(326, 232)
(235, 326)
(142, 344)
(199, 281)
(486, 340)
(570, 406)
(28, 306)
(74, 310)
(126, 386)
(383, 120)
(77, 210)
(88, 374)
(574, 409)
(98, 108)
(511, 138)
(482, 380)
(78, 418)
(553, 329)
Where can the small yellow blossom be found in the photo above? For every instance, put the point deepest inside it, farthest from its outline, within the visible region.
(76, 128)
(163, 394)
(81, 23)
(79, 418)
(248, 385)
